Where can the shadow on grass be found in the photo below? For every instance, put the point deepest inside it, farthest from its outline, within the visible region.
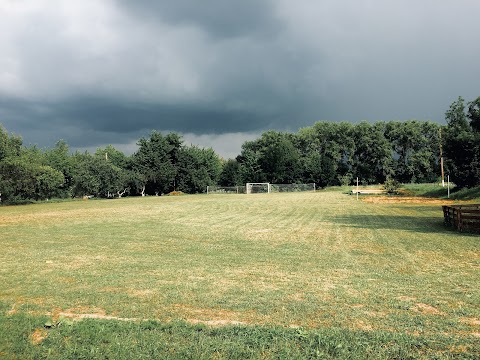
(395, 222)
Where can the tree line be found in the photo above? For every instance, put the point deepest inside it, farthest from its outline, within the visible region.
(327, 153)
(162, 163)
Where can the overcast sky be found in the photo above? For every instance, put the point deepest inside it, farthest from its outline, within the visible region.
(97, 72)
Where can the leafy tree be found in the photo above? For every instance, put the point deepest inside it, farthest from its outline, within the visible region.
(416, 146)
(9, 145)
(60, 159)
(278, 158)
(197, 169)
(474, 114)
(372, 160)
(327, 152)
(94, 175)
(230, 175)
(113, 155)
(461, 147)
(156, 159)
(21, 179)
(249, 160)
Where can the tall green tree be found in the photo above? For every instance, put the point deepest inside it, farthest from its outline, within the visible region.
(249, 160)
(372, 160)
(461, 145)
(327, 151)
(231, 175)
(21, 179)
(95, 175)
(197, 169)
(60, 159)
(10, 145)
(278, 158)
(156, 160)
(416, 150)
(114, 156)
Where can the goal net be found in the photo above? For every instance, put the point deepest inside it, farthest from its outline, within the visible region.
(225, 189)
(292, 187)
(257, 188)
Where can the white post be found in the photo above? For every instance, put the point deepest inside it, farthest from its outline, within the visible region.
(207, 189)
(314, 189)
(237, 189)
(357, 187)
(448, 186)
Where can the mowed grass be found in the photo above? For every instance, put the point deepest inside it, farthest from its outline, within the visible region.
(311, 261)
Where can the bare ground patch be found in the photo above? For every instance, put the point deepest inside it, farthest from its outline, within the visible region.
(471, 321)
(38, 336)
(427, 309)
(215, 317)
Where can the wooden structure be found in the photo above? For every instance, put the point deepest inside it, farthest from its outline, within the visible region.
(462, 217)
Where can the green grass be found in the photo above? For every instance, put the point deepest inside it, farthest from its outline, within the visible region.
(267, 275)
(437, 191)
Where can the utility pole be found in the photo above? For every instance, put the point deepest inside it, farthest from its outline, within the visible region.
(441, 158)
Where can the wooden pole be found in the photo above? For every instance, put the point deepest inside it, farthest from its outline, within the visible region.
(357, 188)
(441, 159)
(448, 186)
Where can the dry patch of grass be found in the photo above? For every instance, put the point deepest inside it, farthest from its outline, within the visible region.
(38, 336)
(427, 309)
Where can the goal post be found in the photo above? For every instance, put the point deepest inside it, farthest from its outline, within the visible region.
(255, 188)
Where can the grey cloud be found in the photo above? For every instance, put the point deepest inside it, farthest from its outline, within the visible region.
(218, 18)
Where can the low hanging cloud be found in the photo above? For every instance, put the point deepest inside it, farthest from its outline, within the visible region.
(97, 72)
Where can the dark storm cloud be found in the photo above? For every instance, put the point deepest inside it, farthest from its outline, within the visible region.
(93, 117)
(95, 72)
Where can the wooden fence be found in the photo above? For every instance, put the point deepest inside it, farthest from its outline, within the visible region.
(462, 217)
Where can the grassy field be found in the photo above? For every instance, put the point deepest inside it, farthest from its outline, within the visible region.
(293, 275)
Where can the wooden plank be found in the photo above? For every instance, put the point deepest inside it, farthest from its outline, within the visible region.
(471, 212)
(470, 217)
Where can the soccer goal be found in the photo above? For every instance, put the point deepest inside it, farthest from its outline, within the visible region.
(257, 188)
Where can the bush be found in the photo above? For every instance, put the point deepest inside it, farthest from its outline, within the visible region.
(391, 185)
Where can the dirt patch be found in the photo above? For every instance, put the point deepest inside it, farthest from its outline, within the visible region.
(215, 322)
(470, 321)
(38, 336)
(13, 310)
(406, 298)
(427, 309)
(357, 306)
(76, 316)
(81, 312)
(361, 325)
(376, 314)
(407, 200)
(220, 318)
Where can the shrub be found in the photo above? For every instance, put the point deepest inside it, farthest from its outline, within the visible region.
(391, 185)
